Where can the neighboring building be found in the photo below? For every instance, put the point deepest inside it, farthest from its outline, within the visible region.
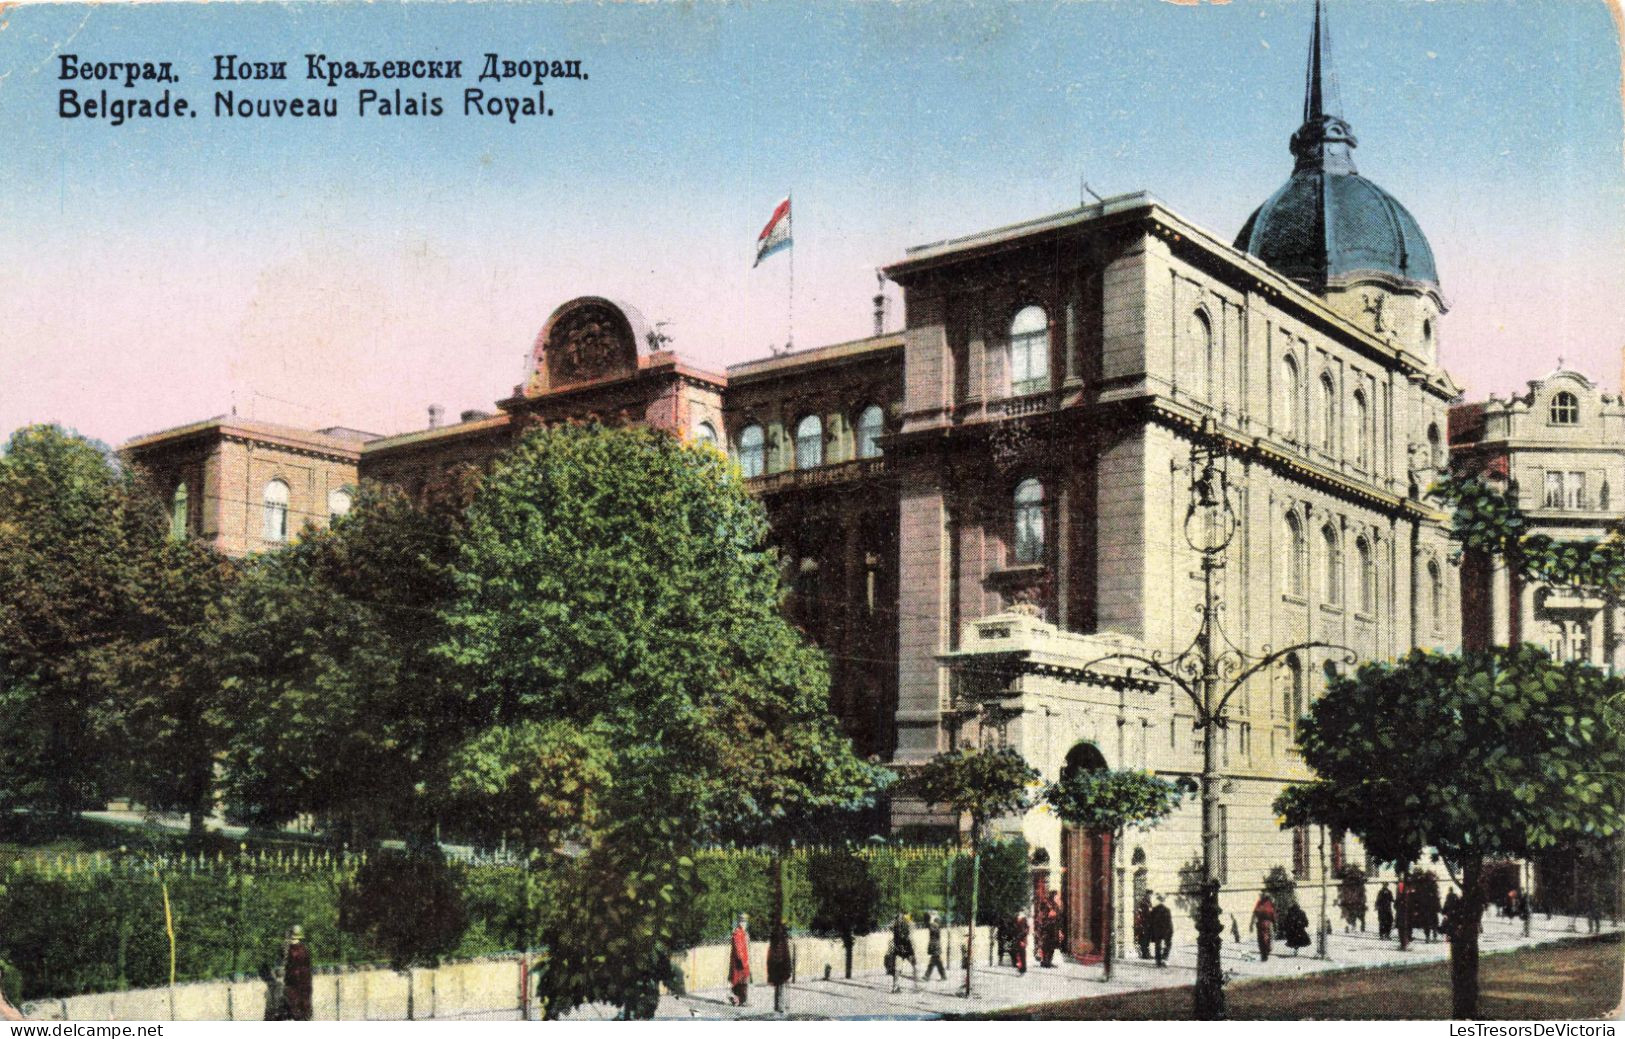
(249, 486)
(1559, 450)
(974, 510)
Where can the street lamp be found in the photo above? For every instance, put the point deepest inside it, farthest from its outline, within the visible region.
(1210, 671)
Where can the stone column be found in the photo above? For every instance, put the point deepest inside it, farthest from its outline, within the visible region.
(1500, 603)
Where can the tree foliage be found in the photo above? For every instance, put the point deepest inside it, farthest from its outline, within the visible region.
(345, 708)
(536, 783)
(1487, 520)
(983, 784)
(846, 898)
(1486, 755)
(411, 906)
(74, 530)
(1112, 800)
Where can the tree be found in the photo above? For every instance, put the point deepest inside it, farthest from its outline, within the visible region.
(982, 784)
(74, 527)
(537, 784)
(846, 898)
(345, 708)
(1480, 756)
(617, 581)
(1111, 801)
(176, 708)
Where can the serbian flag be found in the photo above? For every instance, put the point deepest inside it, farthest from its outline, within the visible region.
(776, 235)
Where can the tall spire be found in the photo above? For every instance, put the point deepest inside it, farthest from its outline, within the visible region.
(1324, 139)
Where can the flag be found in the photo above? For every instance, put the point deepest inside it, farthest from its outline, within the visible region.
(776, 235)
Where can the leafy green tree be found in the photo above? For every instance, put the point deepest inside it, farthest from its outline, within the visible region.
(411, 906)
(74, 527)
(846, 898)
(984, 785)
(176, 709)
(345, 709)
(536, 784)
(1112, 801)
(1481, 756)
(616, 581)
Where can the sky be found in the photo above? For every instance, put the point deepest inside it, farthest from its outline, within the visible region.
(356, 270)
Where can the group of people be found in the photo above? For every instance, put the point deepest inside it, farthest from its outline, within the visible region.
(1292, 921)
(1153, 929)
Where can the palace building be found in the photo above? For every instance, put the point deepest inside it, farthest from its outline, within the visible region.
(975, 512)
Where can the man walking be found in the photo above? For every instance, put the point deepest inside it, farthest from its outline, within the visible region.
(739, 962)
(296, 975)
(1385, 912)
(1049, 929)
(1018, 943)
(933, 948)
(1159, 928)
(1264, 924)
(902, 948)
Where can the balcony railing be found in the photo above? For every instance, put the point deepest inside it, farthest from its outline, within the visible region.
(819, 476)
(1028, 404)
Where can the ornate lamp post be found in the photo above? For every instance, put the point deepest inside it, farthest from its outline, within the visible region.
(1210, 671)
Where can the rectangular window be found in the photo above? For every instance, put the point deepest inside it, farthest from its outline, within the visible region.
(1577, 491)
(1554, 490)
(1300, 853)
(1339, 852)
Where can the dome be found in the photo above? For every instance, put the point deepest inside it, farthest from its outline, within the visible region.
(1324, 225)
(1327, 223)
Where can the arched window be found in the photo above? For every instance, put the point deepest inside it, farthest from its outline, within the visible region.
(810, 442)
(871, 424)
(1292, 696)
(1328, 413)
(1436, 593)
(1029, 522)
(1436, 457)
(1290, 401)
(1565, 408)
(276, 511)
(178, 513)
(338, 504)
(1202, 341)
(1427, 332)
(1368, 576)
(1334, 566)
(752, 451)
(705, 433)
(1362, 430)
(1295, 552)
(1029, 351)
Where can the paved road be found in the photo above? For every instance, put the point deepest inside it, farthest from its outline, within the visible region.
(870, 996)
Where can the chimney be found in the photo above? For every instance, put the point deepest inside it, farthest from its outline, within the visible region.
(435, 411)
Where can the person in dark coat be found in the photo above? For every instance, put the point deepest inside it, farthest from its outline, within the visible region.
(1049, 929)
(1385, 912)
(1142, 914)
(778, 955)
(902, 948)
(933, 948)
(1159, 930)
(739, 962)
(296, 975)
(1295, 928)
(1264, 924)
(1427, 910)
(1001, 937)
(1450, 916)
(1018, 943)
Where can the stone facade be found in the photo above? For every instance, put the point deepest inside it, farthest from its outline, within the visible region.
(1559, 449)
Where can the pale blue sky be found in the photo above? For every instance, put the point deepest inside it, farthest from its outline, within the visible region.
(357, 269)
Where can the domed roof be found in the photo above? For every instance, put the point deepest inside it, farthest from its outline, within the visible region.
(1322, 225)
(1328, 223)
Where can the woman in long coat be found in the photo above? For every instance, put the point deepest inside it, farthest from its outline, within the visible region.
(1295, 928)
(1264, 924)
(1385, 912)
(296, 976)
(739, 962)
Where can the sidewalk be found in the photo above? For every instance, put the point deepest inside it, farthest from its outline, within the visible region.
(870, 996)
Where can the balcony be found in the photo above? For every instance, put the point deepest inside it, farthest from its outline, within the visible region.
(833, 475)
(1027, 404)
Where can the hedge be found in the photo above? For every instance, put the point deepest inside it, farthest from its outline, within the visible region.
(95, 923)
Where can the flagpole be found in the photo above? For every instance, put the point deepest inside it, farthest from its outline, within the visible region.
(790, 307)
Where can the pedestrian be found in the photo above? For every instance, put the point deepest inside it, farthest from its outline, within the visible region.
(1295, 928)
(739, 962)
(1001, 937)
(1049, 929)
(1018, 943)
(1427, 897)
(1449, 917)
(1264, 923)
(778, 961)
(1509, 908)
(296, 975)
(1142, 913)
(1159, 926)
(1385, 912)
(933, 948)
(902, 948)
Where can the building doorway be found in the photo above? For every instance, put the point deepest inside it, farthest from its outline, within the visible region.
(1086, 878)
